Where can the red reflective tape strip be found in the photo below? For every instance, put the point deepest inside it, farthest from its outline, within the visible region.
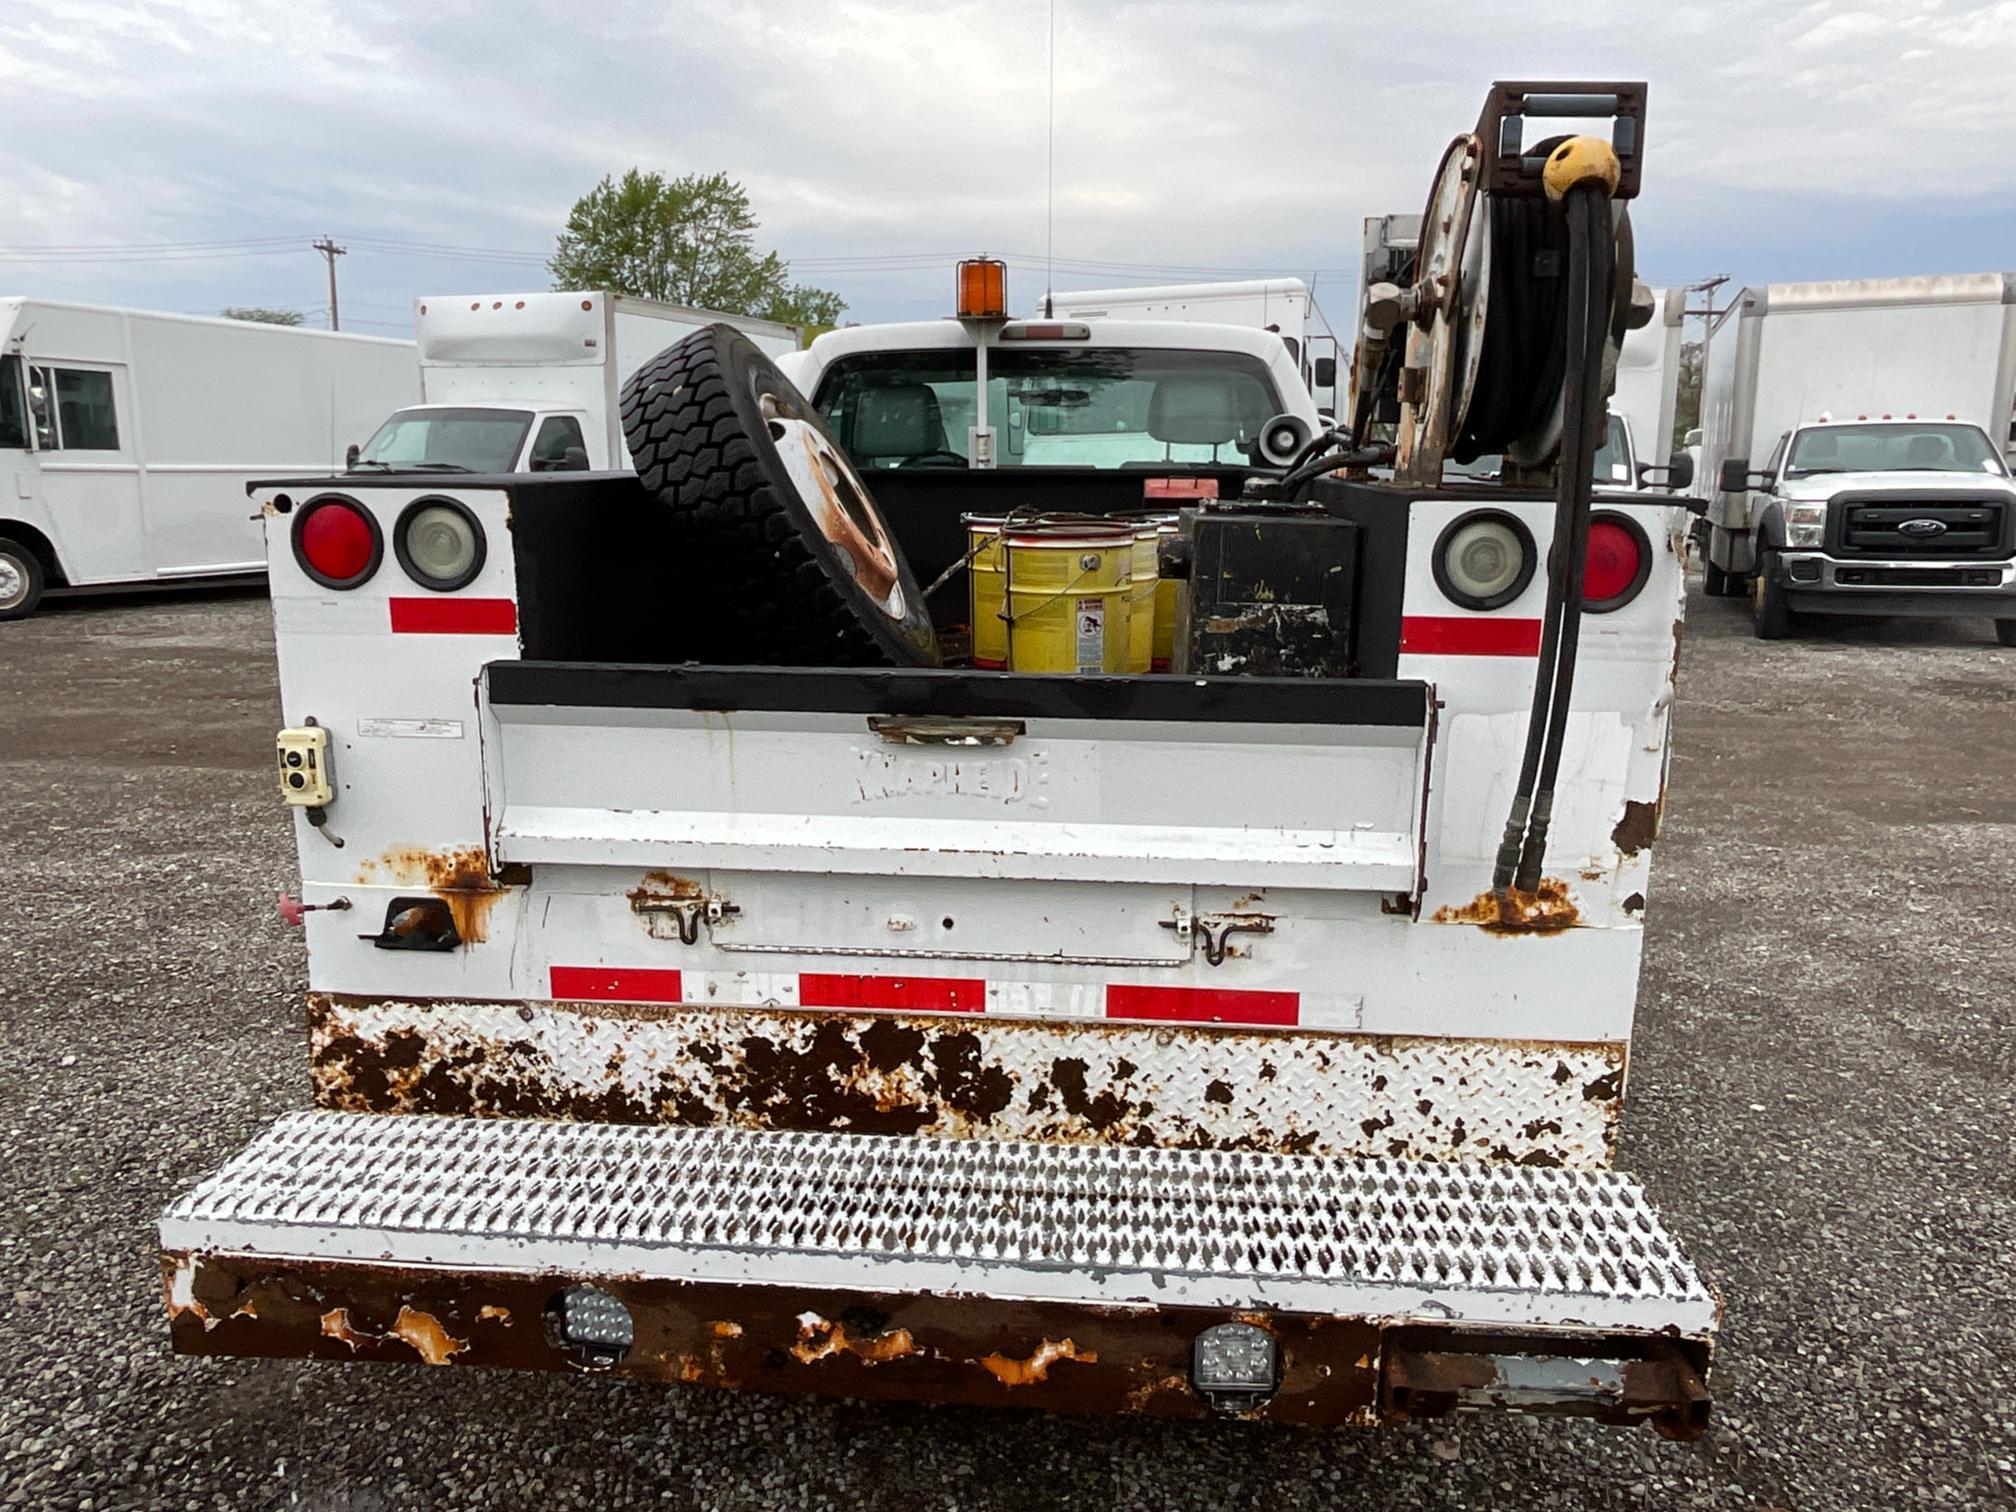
(1203, 1005)
(454, 616)
(929, 994)
(615, 984)
(1468, 635)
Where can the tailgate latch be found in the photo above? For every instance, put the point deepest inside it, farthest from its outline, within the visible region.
(1214, 928)
(665, 918)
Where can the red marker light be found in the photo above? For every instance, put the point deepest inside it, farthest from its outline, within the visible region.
(336, 543)
(1616, 566)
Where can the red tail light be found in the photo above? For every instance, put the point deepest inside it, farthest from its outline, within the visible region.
(337, 542)
(1619, 561)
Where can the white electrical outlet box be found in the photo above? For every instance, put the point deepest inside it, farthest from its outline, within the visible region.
(304, 767)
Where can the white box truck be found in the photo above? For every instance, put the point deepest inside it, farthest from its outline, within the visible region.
(528, 382)
(1285, 306)
(127, 438)
(1854, 438)
(1648, 378)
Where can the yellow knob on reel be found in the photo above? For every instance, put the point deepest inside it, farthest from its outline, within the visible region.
(1581, 160)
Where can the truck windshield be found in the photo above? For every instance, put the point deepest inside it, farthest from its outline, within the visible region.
(1051, 406)
(448, 440)
(1891, 448)
(1613, 459)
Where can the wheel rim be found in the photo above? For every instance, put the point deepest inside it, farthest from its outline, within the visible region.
(13, 581)
(840, 508)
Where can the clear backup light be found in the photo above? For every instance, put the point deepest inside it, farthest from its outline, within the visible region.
(1805, 522)
(1484, 559)
(439, 544)
(1234, 1366)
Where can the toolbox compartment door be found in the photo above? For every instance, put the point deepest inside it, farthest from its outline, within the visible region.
(1183, 781)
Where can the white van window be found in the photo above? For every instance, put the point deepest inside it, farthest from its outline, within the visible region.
(13, 405)
(85, 418)
(559, 446)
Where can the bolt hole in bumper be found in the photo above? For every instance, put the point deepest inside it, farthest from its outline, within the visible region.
(1168, 1283)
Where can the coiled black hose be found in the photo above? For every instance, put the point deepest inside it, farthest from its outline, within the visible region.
(1588, 303)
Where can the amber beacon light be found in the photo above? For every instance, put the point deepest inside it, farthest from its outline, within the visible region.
(983, 288)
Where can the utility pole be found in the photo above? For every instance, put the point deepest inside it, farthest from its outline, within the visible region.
(330, 252)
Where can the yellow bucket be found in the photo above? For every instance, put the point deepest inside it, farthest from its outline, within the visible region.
(1069, 594)
(1154, 595)
(987, 590)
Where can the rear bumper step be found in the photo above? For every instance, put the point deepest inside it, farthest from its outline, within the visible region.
(1062, 1276)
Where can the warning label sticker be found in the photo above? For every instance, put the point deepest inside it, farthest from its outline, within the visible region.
(1091, 615)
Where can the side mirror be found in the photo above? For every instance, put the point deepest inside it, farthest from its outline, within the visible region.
(1736, 475)
(1326, 372)
(350, 456)
(1676, 474)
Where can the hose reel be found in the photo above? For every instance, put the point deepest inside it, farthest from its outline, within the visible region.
(1482, 321)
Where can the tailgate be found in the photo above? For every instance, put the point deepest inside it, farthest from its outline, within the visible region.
(1238, 782)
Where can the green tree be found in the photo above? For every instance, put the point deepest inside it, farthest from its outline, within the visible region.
(687, 240)
(262, 314)
(1687, 397)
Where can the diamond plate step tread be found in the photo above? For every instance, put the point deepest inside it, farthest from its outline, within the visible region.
(1452, 1243)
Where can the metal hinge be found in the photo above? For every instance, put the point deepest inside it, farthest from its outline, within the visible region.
(1213, 928)
(663, 917)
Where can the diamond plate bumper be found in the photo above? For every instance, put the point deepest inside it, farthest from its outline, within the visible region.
(1064, 1276)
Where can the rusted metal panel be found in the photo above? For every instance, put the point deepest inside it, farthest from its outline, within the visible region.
(1531, 1102)
(982, 1350)
(987, 1351)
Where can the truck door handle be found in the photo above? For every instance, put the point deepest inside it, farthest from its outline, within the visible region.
(909, 729)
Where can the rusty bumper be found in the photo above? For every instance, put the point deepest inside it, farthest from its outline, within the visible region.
(980, 1350)
(1299, 1289)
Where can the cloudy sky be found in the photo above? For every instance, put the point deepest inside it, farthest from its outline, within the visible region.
(184, 153)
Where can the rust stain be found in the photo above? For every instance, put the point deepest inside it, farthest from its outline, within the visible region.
(884, 1074)
(336, 1325)
(1548, 909)
(724, 1329)
(424, 1332)
(1037, 1367)
(820, 1337)
(1637, 829)
(663, 887)
(460, 878)
(487, 1312)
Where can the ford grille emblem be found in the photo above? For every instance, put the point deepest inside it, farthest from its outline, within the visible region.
(1922, 529)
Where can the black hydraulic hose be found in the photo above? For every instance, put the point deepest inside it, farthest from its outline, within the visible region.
(1591, 246)
(1292, 483)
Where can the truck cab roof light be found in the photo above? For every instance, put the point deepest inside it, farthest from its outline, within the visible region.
(337, 542)
(1023, 330)
(983, 289)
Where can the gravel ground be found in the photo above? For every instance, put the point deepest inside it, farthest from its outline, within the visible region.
(1821, 1101)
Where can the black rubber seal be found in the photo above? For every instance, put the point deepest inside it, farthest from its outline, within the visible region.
(950, 693)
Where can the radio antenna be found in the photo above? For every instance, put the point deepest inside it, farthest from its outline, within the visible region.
(1050, 183)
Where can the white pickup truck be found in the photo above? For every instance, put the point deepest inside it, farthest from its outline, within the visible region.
(1149, 1044)
(528, 382)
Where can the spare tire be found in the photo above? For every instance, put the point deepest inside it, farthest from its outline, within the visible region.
(785, 558)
